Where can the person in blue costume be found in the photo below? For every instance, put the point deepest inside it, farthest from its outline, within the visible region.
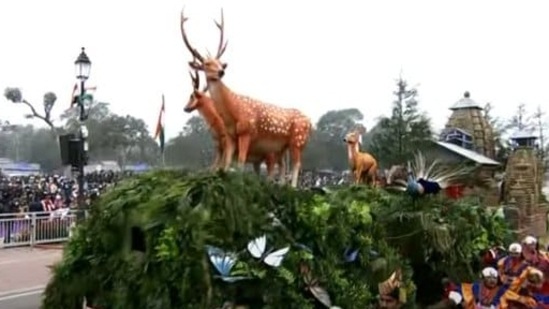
(485, 293)
(511, 266)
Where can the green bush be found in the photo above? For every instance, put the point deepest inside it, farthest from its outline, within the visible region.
(180, 214)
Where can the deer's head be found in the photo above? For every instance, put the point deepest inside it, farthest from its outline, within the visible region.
(210, 65)
(196, 100)
(354, 137)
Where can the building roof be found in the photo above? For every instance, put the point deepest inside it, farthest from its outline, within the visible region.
(465, 102)
(523, 134)
(452, 130)
(469, 154)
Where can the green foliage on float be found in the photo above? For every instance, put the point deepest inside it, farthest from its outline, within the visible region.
(144, 243)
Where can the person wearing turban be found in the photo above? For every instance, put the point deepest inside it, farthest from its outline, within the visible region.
(511, 266)
(531, 252)
(391, 294)
(485, 293)
(526, 290)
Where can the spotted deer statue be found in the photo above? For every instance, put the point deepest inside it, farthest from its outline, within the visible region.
(363, 165)
(200, 102)
(269, 128)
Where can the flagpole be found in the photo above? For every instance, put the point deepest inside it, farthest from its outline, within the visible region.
(164, 132)
(160, 131)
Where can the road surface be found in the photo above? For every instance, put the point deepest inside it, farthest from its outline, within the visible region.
(24, 273)
(22, 300)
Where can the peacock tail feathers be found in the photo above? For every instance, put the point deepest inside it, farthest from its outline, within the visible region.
(432, 171)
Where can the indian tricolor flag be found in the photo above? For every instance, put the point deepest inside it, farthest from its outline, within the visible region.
(76, 92)
(160, 126)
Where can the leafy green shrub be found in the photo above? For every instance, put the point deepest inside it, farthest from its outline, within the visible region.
(144, 243)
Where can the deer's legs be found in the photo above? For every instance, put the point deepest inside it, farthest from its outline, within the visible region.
(228, 154)
(296, 164)
(357, 175)
(218, 156)
(282, 166)
(270, 161)
(372, 173)
(243, 147)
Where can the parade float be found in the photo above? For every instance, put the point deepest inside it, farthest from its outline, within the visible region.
(170, 239)
(157, 241)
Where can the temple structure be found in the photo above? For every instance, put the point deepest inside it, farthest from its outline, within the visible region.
(470, 134)
(468, 127)
(522, 187)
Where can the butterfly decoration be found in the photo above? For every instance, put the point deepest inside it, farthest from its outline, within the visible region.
(223, 263)
(350, 255)
(257, 248)
(312, 286)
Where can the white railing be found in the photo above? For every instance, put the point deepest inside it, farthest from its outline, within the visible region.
(32, 228)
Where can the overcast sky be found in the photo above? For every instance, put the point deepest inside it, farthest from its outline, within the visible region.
(314, 55)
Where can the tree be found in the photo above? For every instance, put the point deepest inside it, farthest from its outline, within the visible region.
(196, 125)
(405, 131)
(97, 111)
(521, 120)
(193, 147)
(317, 154)
(502, 146)
(125, 139)
(541, 126)
(336, 123)
(16, 96)
(30, 144)
(326, 149)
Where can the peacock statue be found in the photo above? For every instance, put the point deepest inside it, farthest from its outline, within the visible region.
(420, 178)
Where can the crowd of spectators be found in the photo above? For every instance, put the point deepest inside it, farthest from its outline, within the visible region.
(53, 195)
(50, 192)
(308, 179)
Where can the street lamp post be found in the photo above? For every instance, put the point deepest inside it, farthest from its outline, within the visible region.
(83, 67)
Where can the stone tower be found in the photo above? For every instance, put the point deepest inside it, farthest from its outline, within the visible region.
(468, 127)
(521, 187)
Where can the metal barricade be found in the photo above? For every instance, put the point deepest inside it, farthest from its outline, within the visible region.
(15, 230)
(31, 228)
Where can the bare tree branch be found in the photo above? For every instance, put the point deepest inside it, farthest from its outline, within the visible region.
(15, 96)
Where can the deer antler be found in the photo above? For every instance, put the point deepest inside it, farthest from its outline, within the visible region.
(193, 51)
(222, 43)
(195, 78)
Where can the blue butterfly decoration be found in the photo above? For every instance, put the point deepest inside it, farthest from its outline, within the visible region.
(350, 255)
(223, 263)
